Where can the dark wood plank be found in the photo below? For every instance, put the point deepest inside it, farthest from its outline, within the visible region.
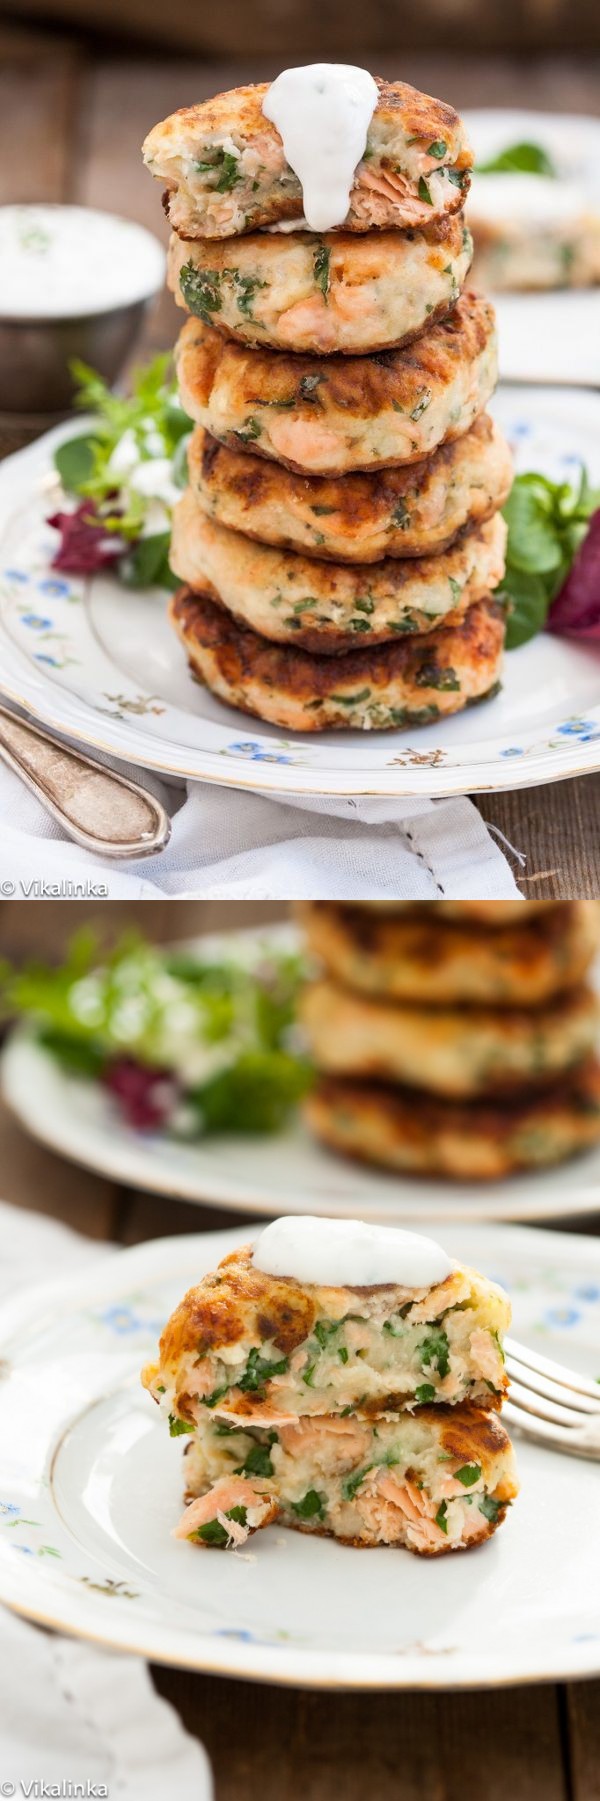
(558, 829)
(582, 1705)
(36, 1179)
(271, 1743)
(44, 931)
(39, 108)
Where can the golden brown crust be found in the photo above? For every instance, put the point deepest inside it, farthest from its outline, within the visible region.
(328, 607)
(236, 1300)
(354, 518)
(394, 684)
(388, 408)
(407, 956)
(422, 1134)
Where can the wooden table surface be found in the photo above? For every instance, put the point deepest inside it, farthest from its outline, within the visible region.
(71, 125)
(538, 1743)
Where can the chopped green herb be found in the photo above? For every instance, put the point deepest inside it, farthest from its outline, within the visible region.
(201, 291)
(343, 1354)
(259, 1370)
(308, 1375)
(213, 1533)
(352, 1483)
(216, 1396)
(424, 1393)
(311, 1507)
(325, 1329)
(468, 1474)
(258, 1461)
(490, 1508)
(430, 676)
(438, 149)
(251, 432)
(455, 588)
(441, 1518)
(177, 1427)
(321, 263)
(247, 287)
(435, 1349)
(351, 700)
(424, 191)
(227, 167)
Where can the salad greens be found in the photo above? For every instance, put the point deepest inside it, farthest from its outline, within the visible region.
(126, 468)
(519, 159)
(183, 1043)
(547, 525)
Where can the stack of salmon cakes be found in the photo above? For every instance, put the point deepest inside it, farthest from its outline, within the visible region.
(340, 540)
(452, 1041)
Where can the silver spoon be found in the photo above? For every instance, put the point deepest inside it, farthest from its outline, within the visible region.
(99, 810)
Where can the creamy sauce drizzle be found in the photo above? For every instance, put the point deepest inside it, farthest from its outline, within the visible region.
(322, 113)
(349, 1253)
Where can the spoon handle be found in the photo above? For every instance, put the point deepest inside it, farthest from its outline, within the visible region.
(99, 810)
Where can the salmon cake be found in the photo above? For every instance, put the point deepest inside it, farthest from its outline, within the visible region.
(406, 683)
(262, 1350)
(457, 1051)
(431, 961)
(438, 1480)
(418, 1134)
(335, 292)
(329, 607)
(225, 171)
(415, 511)
(323, 416)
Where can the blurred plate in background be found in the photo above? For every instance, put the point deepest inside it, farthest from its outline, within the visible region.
(89, 1503)
(286, 1173)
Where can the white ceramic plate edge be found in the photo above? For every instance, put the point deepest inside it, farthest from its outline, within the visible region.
(82, 1614)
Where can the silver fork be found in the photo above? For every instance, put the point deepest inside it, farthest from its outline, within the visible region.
(552, 1405)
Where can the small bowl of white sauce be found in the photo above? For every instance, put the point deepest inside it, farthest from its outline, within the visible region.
(73, 283)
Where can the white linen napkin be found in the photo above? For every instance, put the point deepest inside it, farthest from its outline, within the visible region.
(71, 1713)
(227, 844)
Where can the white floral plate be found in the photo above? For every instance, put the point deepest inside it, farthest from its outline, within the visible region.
(100, 663)
(90, 1487)
(547, 337)
(287, 1173)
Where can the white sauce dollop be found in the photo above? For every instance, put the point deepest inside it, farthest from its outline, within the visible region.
(322, 113)
(67, 262)
(340, 1253)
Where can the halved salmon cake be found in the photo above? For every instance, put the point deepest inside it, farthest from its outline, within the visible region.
(452, 1050)
(225, 168)
(408, 683)
(266, 1350)
(326, 416)
(434, 1481)
(329, 607)
(334, 292)
(401, 1128)
(410, 957)
(411, 512)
